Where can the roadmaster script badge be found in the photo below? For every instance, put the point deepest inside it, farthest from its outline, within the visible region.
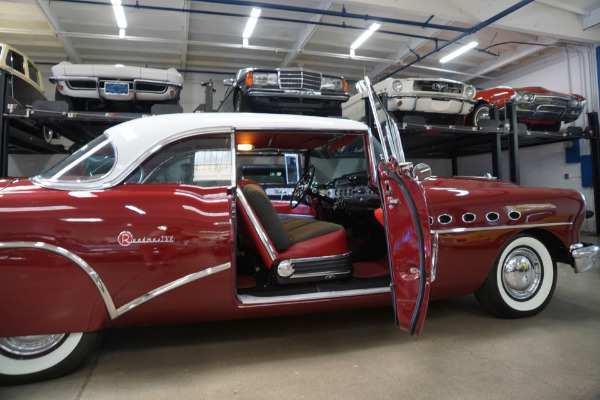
(126, 238)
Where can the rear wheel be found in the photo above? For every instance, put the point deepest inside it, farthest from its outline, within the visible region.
(39, 357)
(522, 280)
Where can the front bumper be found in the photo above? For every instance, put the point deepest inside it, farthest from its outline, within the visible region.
(585, 256)
(430, 105)
(279, 100)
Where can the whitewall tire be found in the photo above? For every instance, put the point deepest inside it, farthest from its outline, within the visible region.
(521, 281)
(32, 358)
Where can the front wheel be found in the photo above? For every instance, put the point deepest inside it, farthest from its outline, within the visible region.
(40, 357)
(481, 113)
(522, 280)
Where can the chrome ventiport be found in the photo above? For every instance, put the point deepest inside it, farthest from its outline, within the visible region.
(514, 215)
(492, 216)
(444, 219)
(468, 217)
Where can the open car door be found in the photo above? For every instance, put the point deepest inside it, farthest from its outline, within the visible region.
(406, 219)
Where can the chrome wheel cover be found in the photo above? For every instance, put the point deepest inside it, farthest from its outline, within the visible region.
(31, 346)
(482, 114)
(522, 273)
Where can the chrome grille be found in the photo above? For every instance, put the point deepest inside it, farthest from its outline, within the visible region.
(297, 78)
(438, 86)
(541, 100)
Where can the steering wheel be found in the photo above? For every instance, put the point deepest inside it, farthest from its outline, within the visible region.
(302, 187)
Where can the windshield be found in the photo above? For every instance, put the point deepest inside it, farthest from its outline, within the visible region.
(91, 162)
(342, 156)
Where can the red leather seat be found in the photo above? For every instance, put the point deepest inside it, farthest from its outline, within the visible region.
(313, 249)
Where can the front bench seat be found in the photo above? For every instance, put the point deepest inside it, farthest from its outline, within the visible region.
(294, 249)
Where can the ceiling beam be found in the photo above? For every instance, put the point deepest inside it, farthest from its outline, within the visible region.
(304, 36)
(71, 51)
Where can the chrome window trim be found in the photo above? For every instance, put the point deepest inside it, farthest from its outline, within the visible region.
(257, 225)
(255, 300)
(495, 228)
(113, 312)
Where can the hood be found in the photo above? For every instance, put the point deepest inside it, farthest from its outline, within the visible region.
(5, 182)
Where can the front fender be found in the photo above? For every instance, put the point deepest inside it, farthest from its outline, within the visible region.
(44, 290)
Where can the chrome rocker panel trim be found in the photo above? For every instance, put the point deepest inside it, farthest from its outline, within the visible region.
(252, 300)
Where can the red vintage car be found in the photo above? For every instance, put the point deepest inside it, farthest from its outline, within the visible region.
(538, 108)
(153, 223)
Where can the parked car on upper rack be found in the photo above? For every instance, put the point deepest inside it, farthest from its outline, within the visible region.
(90, 87)
(538, 108)
(284, 90)
(154, 223)
(438, 101)
(24, 87)
(25, 84)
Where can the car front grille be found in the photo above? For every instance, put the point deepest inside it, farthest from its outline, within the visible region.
(438, 87)
(541, 100)
(299, 79)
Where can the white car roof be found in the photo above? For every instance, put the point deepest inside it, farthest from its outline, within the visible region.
(136, 139)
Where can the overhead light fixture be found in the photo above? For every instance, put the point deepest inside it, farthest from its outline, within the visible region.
(254, 14)
(361, 39)
(122, 33)
(245, 147)
(119, 14)
(458, 52)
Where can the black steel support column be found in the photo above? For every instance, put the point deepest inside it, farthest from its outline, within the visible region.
(497, 156)
(208, 96)
(3, 126)
(513, 144)
(595, 150)
(454, 166)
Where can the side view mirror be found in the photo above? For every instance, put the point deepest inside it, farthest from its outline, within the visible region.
(421, 171)
(228, 82)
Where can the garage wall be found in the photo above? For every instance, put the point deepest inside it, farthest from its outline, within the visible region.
(572, 71)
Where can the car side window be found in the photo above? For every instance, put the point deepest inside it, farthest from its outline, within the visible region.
(202, 161)
(15, 61)
(33, 73)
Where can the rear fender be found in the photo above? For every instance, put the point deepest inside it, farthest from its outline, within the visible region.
(43, 291)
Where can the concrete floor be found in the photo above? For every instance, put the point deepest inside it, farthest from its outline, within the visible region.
(463, 353)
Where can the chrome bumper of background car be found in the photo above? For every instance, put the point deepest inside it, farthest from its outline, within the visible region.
(297, 94)
(585, 255)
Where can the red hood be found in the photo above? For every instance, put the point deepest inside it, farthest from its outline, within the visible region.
(4, 182)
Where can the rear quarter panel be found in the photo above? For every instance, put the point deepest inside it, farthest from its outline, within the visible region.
(467, 250)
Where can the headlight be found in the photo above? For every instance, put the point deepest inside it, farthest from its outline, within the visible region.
(470, 92)
(329, 83)
(397, 86)
(575, 102)
(525, 97)
(265, 79)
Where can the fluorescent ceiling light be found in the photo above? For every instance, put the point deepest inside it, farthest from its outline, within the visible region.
(251, 23)
(119, 14)
(122, 33)
(366, 34)
(458, 52)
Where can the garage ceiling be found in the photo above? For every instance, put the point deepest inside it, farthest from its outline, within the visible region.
(206, 36)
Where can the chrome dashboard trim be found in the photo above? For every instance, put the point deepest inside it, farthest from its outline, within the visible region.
(495, 228)
(108, 302)
(255, 300)
(170, 286)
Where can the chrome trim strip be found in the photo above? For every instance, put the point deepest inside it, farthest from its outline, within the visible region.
(434, 255)
(170, 286)
(257, 225)
(108, 302)
(311, 259)
(494, 228)
(252, 300)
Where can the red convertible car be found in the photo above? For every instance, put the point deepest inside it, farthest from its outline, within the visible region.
(538, 108)
(152, 223)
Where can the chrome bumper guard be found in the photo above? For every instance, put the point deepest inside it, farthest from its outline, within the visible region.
(585, 255)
